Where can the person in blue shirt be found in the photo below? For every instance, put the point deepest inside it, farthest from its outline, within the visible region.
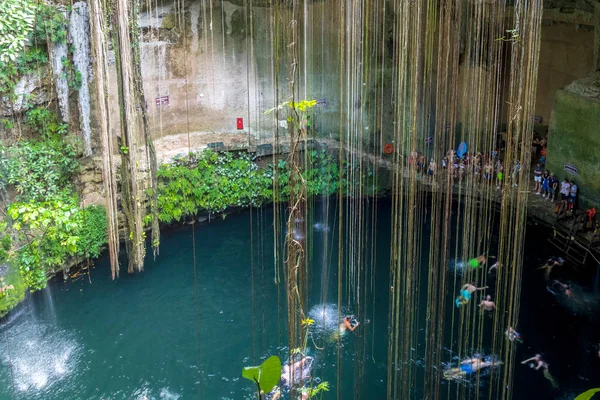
(545, 180)
(469, 367)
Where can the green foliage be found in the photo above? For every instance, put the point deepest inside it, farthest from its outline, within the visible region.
(210, 181)
(587, 395)
(38, 169)
(72, 76)
(45, 122)
(27, 62)
(214, 181)
(55, 230)
(21, 21)
(50, 228)
(10, 298)
(321, 175)
(50, 25)
(314, 391)
(16, 23)
(266, 376)
(92, 232)
(5, 245)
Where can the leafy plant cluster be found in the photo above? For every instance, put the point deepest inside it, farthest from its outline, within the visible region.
(210, 181)
(46, 220)
(321, 175)
(39, 169)
(50, 25)
(16, 23)
(10, 298)
(55, 230)
(22, 22)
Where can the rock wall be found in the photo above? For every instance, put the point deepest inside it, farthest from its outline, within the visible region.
(574, 137)
(567, 52)
(204, 67)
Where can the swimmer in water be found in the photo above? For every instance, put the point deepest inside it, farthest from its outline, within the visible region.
(349, 323)
(551, 263)
(465, 294)
(477, 262)
(538, 363)
(487, 304)
(513, 335)
(296, 372)
(567, 288)
(469, 367)
(494, 267)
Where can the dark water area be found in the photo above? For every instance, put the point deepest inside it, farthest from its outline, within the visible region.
(177, 331)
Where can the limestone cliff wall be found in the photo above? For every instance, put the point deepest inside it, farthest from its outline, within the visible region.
(219, 63)
(566, 54)
(574, 137)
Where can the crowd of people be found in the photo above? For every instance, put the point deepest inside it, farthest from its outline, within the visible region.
(467, 169)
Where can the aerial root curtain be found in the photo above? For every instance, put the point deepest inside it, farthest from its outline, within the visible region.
(423, 76)
(138, 159)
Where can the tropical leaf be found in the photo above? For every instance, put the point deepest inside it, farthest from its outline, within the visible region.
(587, 395)
(266, 375)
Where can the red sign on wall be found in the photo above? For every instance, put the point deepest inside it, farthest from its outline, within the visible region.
(240, 123)
(162, 101)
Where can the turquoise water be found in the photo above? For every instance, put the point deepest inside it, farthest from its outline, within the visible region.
(161, 334)
(171, 333)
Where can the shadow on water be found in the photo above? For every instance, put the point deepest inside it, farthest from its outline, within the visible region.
(163, 334)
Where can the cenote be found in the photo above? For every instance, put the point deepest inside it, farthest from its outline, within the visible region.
(299, 200)
(185, 328)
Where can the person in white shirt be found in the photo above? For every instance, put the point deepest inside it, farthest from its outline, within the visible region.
(565, 189)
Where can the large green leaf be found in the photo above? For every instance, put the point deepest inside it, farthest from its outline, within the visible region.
(270, 373)
(587, 395)
(252, 373)
(267, 375)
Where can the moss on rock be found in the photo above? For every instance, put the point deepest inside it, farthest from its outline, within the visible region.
(574, 138)
(10, 298)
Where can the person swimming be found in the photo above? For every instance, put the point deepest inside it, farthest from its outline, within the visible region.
(465, 294)
(477, 262)
(550, 264)
(555, 287)
(297, 372)
(513, 335)
(487, 304)
(495, 267)
(469, 367)
(538, 363)
(350, 322)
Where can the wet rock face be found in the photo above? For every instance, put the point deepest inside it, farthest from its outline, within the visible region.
(586, 87)
(31, 89)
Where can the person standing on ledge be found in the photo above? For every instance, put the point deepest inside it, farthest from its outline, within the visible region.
(565, 190)
(537, 178)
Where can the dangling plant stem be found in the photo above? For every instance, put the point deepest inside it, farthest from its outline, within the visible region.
(108, 175)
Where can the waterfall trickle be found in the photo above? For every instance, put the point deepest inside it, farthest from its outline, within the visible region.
(79, 36)
(195, 17)
(58, 54)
